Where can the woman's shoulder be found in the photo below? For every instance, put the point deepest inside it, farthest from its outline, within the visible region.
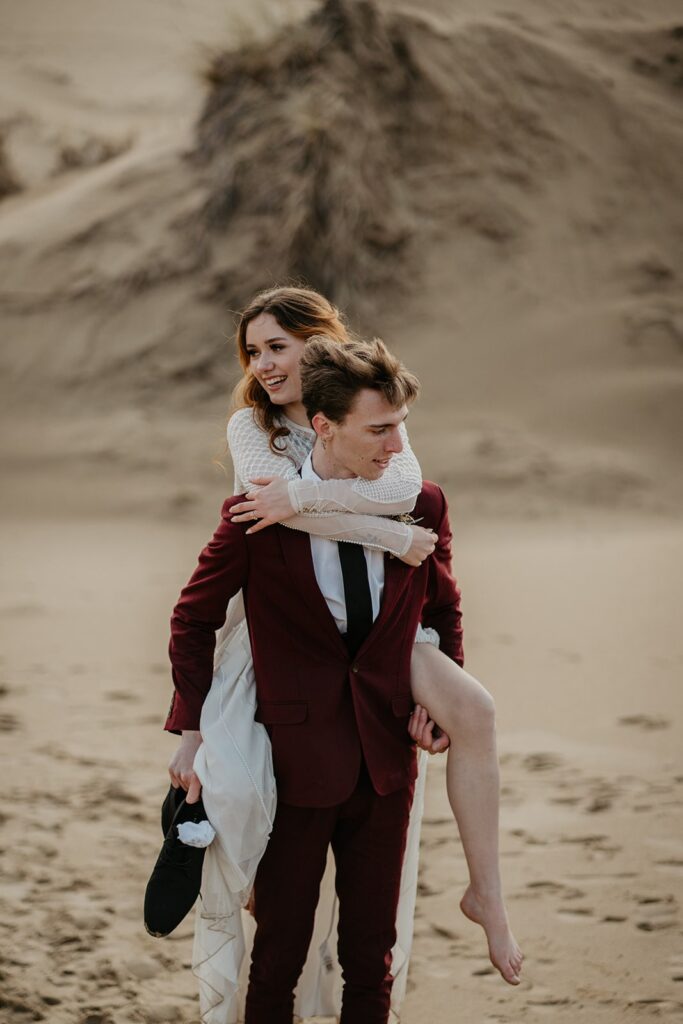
(242, 420)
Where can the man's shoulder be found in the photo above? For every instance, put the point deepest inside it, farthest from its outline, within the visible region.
(226, 508)
(431, 502)
(234, 499)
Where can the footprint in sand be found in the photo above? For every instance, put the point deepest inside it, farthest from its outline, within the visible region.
(598, 804)
(19, 1008)
(104, 973)
(96, 797)
(542, 886)
(656, 913)
(8, 723)
(121, 695)
(542, 761)
(550, 1001)
(645, 722)
(530, 840)
(595, 843)
(445, 933)
(676, 863)
(602, 796)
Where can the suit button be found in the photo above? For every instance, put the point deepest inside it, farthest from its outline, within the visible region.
(354, 668)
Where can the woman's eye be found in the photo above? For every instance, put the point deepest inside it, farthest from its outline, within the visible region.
(276, 348)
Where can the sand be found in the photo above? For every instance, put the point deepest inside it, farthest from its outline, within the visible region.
(534, 286)
(585, 676)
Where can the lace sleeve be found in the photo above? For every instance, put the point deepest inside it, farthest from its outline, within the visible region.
(371, 531)
(251, 454)
(395, 491)
(252, 457)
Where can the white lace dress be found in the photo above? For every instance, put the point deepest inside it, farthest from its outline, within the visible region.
(234, 762)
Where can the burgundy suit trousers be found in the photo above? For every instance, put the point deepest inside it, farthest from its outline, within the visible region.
(367, 834)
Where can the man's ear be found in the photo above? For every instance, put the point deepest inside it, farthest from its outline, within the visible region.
(322, 426)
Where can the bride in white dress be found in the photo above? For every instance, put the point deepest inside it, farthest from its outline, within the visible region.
(269, 438)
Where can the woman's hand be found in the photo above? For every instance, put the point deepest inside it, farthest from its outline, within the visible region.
(422, 545)
(266, 504)
(180, 767)
(426, 732)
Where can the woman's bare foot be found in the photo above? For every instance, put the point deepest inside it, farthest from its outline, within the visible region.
(490, 913)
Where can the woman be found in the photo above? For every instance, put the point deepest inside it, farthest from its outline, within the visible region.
(269, 438)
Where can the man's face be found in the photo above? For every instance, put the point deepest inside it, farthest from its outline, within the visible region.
(365, 442)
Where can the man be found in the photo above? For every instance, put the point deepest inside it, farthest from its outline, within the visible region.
(331, 628)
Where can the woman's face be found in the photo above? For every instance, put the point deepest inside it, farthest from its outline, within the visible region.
(274, 356)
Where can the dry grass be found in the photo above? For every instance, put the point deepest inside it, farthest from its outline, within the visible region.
(306, 139)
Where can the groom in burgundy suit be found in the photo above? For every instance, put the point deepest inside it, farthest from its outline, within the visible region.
(332, 628)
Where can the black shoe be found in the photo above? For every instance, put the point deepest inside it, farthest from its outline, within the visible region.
(174, 799)
(175, 882)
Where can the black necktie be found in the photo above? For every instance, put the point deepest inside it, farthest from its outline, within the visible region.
(356, 593)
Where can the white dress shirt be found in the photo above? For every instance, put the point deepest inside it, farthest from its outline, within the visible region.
(328, 570)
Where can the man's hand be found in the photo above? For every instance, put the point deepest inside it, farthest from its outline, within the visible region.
(423, 543)
(266, 504)
(426, 732)
(180, 766)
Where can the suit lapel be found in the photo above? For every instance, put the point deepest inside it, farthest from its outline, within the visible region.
(296, 550)
(397, 576)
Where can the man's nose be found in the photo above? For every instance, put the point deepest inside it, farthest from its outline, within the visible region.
(394, 443)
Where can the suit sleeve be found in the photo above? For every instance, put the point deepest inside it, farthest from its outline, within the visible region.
(200, 611)
(441, 609)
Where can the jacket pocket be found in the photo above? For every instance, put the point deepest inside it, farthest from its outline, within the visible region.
(402, 706)
(274, 712)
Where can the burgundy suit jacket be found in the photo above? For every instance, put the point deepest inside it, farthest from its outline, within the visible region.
(321, 707)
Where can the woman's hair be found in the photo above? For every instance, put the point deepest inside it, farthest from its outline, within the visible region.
(303, 313)
(332, 375)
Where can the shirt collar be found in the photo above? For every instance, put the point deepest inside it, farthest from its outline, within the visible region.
(307, 471)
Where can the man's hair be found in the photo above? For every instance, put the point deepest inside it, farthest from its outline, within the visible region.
(332, 376)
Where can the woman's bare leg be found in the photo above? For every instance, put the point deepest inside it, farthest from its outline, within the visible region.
(465, 710)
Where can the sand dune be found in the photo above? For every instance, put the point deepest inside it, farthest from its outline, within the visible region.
(516, 184)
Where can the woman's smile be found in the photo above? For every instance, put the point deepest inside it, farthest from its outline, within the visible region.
(274, 356)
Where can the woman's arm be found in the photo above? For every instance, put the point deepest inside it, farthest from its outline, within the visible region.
(372, 531)
(395, 491)
(253, 458)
